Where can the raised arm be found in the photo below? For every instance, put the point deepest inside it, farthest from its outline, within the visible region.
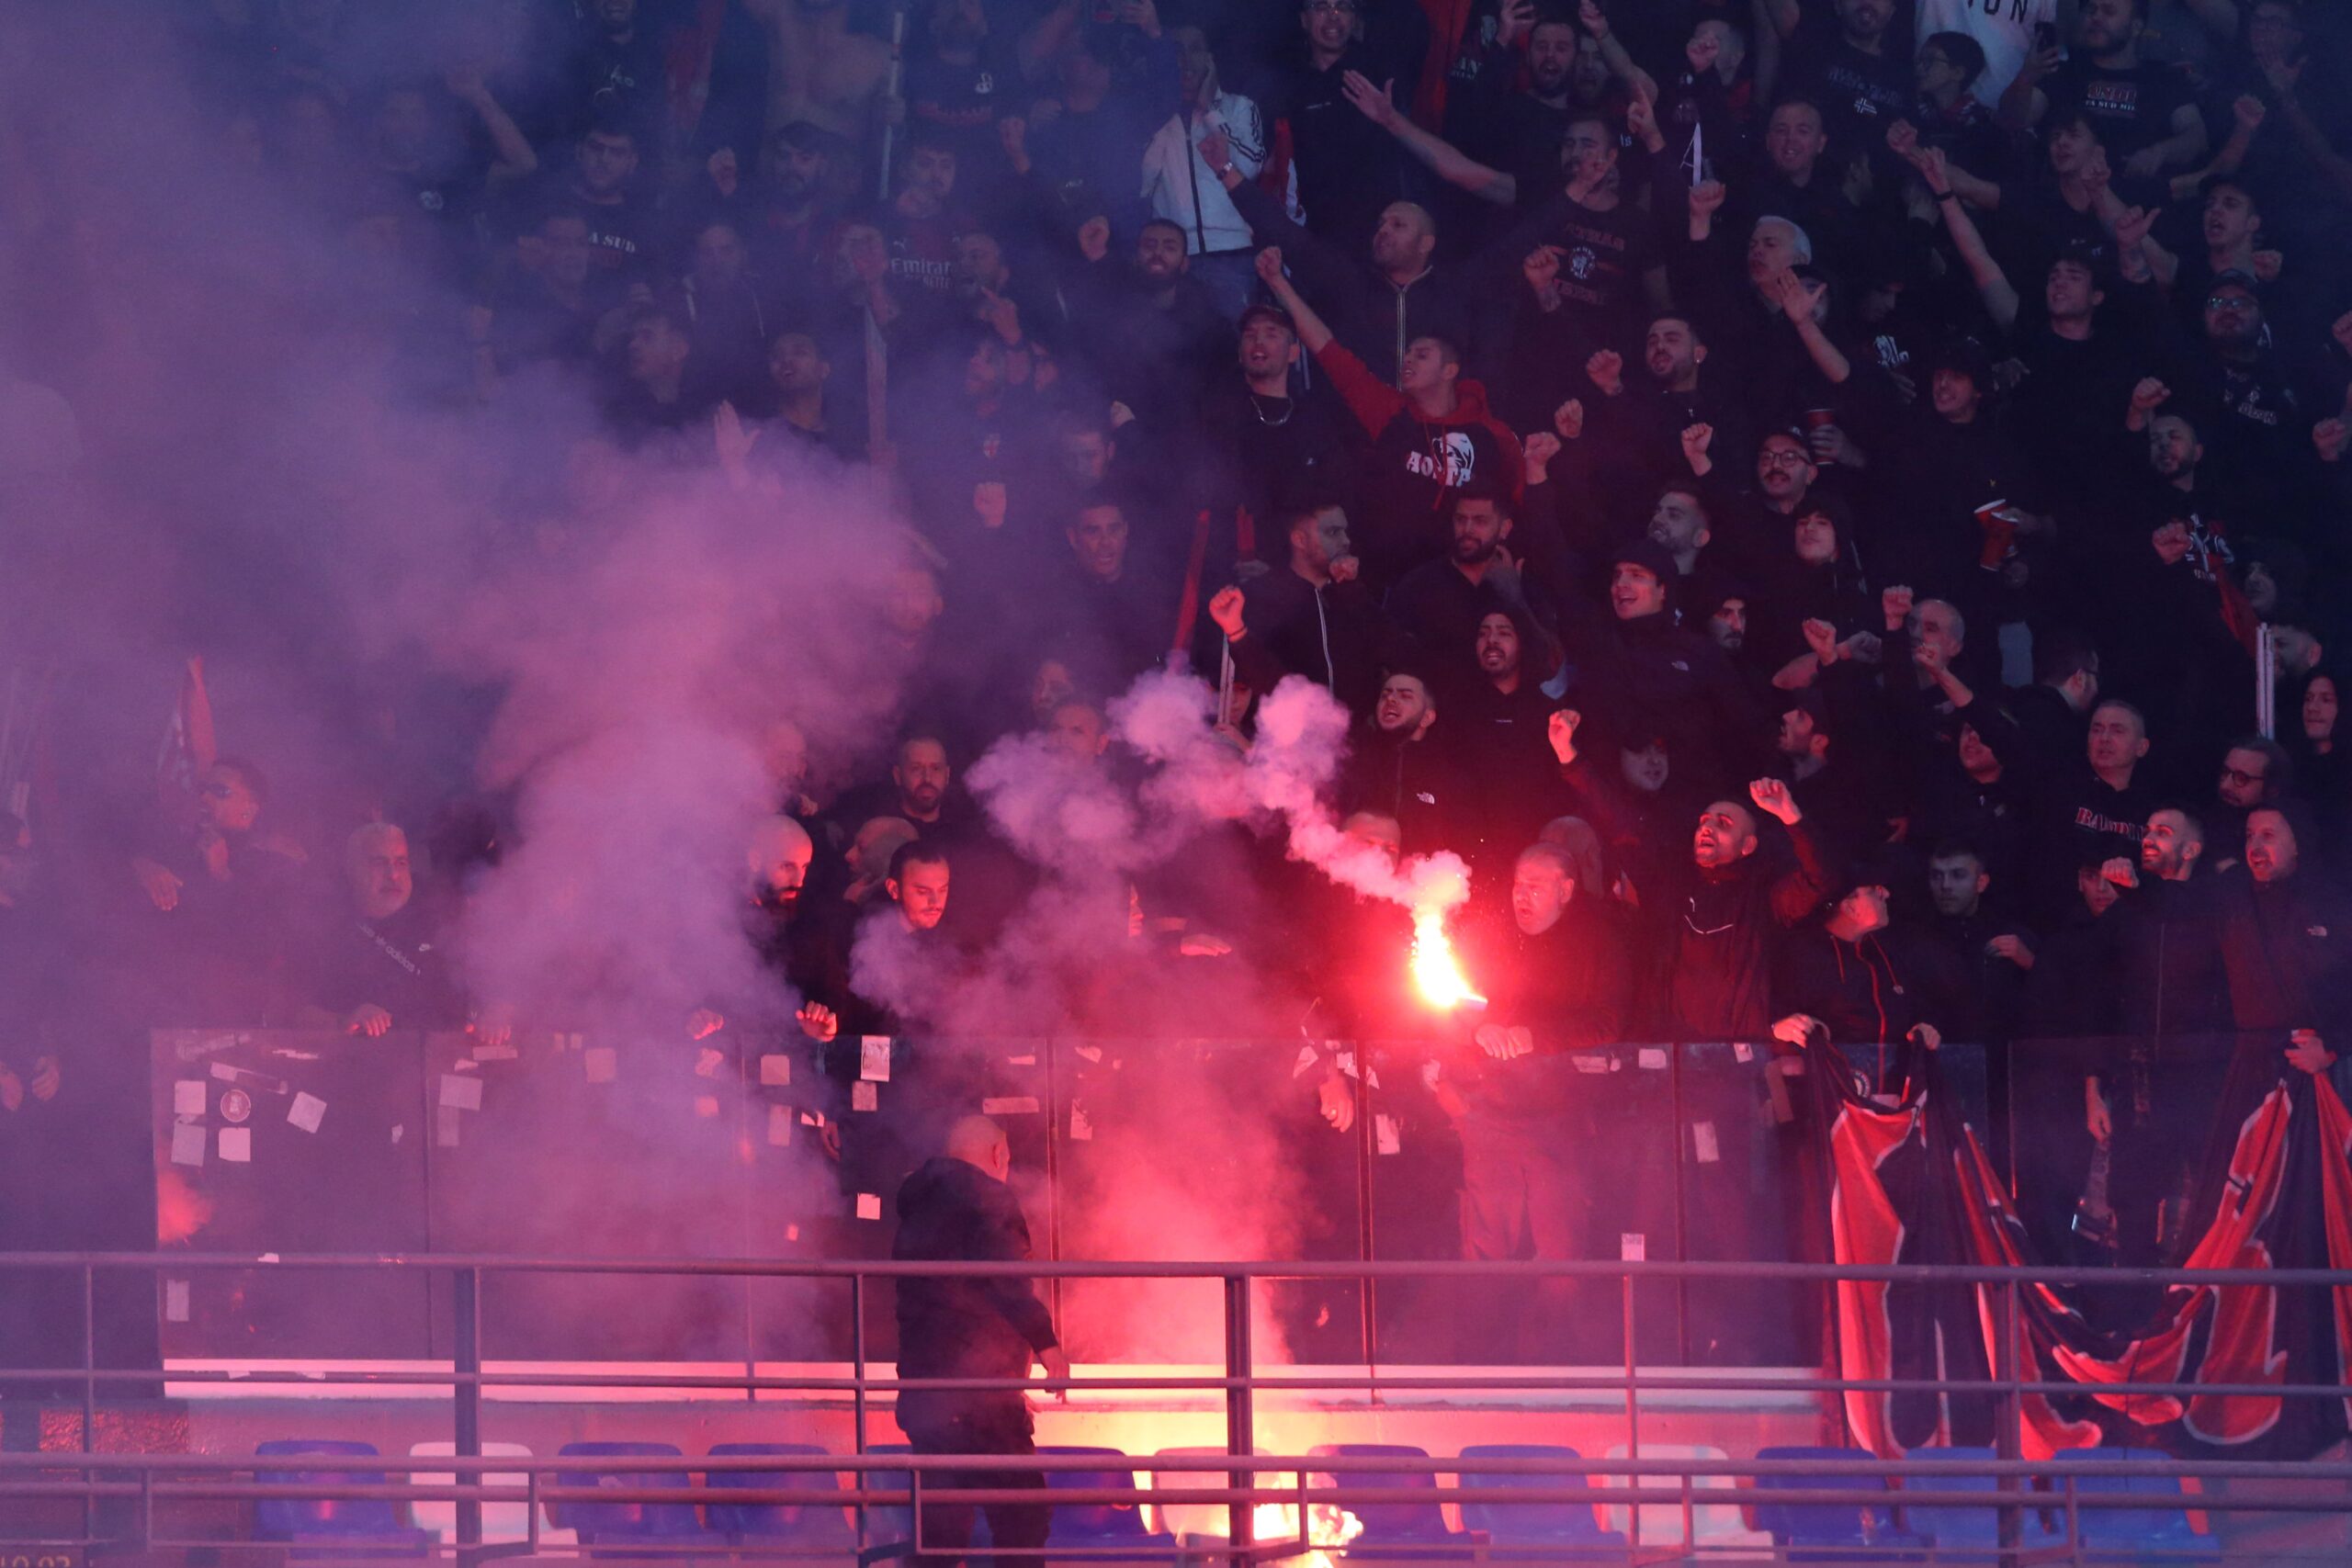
(515, 159)
(1993, 284)
(2023, 103)
(1448, 162)
(1314, 332)
(1801, 302)
(1903, 138)
(1638, 81)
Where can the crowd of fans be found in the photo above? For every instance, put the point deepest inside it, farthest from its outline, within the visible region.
(1789, 492)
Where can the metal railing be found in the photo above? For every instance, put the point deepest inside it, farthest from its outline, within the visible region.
(147, 1480)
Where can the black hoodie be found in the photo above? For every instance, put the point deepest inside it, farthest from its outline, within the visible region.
(952, 1211)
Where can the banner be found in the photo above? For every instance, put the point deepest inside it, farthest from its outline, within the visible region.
(1910, 1184)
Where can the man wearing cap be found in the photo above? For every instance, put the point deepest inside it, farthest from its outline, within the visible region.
(1675, 678)
(1863, 979)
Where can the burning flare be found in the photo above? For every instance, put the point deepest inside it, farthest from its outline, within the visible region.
(1328, 1524)
(1437, 972)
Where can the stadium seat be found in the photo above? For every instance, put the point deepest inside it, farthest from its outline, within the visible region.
(326, 1527)
(503, 1524)
(1973, 1532)
(1553, 1528)
(1389, 1526)
(1819, 1532)
(628, 1524)
(1712, 1524)
(762, 1523)
(2139, 1535)
(1104, 1524)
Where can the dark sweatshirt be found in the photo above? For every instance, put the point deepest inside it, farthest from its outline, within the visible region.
(952, 1211)
(1568, 987)
(1725, 924)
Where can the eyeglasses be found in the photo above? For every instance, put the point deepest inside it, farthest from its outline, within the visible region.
(2240, 776)
(1781, 461)
(2228, 302)
(1331, 7)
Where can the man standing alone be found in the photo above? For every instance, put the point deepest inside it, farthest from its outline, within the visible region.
(957, 1208)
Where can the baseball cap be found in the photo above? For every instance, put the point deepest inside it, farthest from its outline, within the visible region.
(1651, 557)
(1274, 313)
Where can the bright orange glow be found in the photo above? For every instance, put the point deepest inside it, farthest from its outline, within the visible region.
(1437, 973)
(1328, 1524)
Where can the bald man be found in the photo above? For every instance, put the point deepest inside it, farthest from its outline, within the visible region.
(958, 1207)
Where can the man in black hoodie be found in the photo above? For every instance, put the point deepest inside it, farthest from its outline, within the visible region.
(957, 1208)
(1396, 769)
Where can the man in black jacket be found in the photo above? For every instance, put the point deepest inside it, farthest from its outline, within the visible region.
(1558, 983)
(1647, 669)
(957, 1208)
(2283, 933)
(1313, 619)
(1726, 916)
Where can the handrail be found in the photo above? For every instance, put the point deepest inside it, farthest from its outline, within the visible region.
(1406, 1269)
(1305, 1481)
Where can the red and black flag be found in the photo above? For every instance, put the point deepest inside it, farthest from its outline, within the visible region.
(1909, 1183)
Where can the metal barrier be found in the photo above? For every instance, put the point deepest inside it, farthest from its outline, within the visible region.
(148, 1479)
(1701, 1146)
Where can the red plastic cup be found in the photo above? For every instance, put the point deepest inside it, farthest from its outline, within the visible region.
(2000, 534)
(1817, 419)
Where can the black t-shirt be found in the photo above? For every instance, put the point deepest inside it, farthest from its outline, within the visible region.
(1860, 95)
(2131, 109)
(1603, 256)
(965, 101)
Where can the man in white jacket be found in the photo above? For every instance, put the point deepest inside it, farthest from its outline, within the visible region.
(1182, 188)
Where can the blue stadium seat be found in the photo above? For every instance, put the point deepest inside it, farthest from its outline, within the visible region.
(1972, 1531)
(1099, 1524)
(1104, 1524)
(1388, 1526)
(756, 1523)
(628, 1524)
(2157, 1533)
(367, 1527)
(1814, 1532)
(1554, 1528)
